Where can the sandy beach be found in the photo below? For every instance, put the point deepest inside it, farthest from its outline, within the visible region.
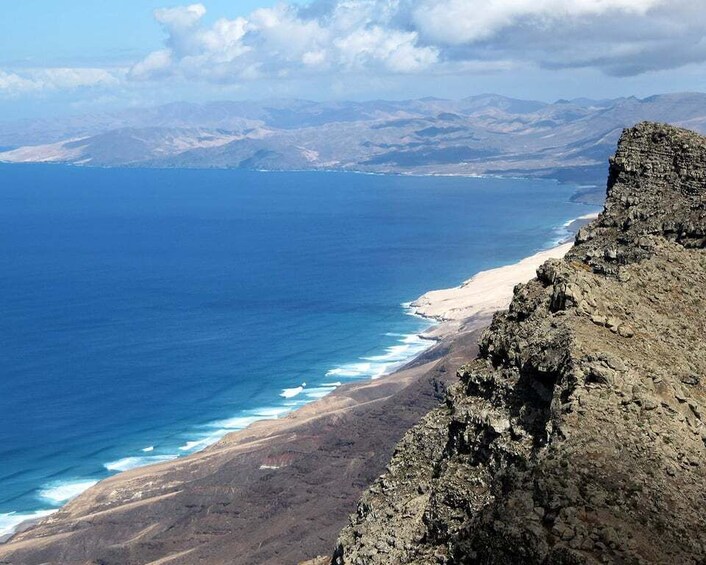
(487, 291)
(484, 293)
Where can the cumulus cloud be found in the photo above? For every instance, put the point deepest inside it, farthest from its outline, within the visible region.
(283, 41)
(180, 17)
(463, 21)
(376, 40)
(52, 79)
(325, 37)
(13, 83)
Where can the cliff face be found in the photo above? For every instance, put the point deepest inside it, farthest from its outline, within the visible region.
(578, 434)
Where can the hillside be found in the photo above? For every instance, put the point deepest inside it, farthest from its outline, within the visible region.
(577, 435)
(486, 134)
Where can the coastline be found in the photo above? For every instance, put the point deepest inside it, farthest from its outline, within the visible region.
(54, 491)
(450, 312)
(512, 174)
(488, 291)
(280, 488)
(483, 294)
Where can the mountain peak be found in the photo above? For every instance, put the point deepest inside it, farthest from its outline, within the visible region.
(656, 188)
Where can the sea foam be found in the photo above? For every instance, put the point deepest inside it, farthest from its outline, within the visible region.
(60, 492)
(127, 463)
(566, 231)
(376, 366)
(292, 392)
(216, 430)
(236, 423)
(355, 370)
(10, 521)
(319, 392)
(204, 441)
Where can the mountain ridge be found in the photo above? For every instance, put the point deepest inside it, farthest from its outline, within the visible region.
(484, 134)
(577, 436)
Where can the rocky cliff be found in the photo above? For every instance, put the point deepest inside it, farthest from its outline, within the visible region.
(577, 435)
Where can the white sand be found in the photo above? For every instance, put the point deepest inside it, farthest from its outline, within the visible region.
(486, 292)
(50, 153)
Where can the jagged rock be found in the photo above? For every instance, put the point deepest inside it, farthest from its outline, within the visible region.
(577, 436)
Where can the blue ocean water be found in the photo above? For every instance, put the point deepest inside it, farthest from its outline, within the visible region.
(147, 312)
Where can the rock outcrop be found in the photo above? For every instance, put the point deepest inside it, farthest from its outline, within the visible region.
(577, 435)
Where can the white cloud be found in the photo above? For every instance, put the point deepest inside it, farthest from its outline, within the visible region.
(156, 63)
(56, 78)
(465, 21)
(181, 17)
(13, 83)
(328, 40)
(378, 37)
(281, 41)
(395, 50)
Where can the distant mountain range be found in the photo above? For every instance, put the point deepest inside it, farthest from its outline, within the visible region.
(486, 134)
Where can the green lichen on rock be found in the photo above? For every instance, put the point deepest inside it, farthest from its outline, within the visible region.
(578, 435)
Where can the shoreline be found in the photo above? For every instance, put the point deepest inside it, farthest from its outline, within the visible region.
(469, 305)
(289, 402)
(488, 291)
(320, 457)
(513, 174)
(484, 293)
(391, 359)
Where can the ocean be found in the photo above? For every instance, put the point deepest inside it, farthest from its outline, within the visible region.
(146, 313)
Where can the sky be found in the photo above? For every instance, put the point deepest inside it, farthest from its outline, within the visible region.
(80, 56)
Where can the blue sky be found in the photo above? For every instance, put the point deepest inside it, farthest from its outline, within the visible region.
(99, 30)
(74, 56)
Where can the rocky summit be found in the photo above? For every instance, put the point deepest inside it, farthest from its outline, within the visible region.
(577, 435)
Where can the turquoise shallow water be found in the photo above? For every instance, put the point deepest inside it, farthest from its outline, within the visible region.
(145, 313)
